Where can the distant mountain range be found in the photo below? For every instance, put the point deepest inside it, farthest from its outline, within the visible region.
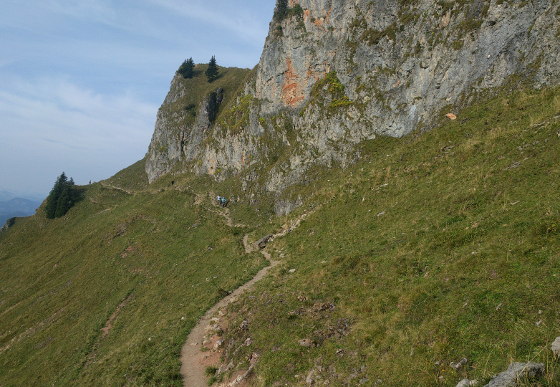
(5, 195)
(11, 206)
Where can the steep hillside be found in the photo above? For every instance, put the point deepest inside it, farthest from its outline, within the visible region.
(107, 294)
(435, 247)
(414, 249)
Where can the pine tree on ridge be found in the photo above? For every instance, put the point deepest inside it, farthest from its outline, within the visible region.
(187, 69)
(212, 72)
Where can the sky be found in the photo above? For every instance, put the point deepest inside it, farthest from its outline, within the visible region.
(81, 80)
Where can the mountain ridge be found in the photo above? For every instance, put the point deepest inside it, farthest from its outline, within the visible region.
(335, 73)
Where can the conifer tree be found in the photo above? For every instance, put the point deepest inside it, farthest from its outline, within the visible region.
(212, 71)
(54, 195)
(75, 193)
(63, 203)
(62, 197)
(187, 68)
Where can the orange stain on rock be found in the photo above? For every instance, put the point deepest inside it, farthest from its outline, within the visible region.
(292, 93)
(320, 21)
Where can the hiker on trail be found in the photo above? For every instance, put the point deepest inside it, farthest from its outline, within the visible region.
(222, 201)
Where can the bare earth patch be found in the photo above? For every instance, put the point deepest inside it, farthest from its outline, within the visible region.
(109, 324)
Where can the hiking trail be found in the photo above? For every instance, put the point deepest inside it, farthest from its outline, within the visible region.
(194, 359)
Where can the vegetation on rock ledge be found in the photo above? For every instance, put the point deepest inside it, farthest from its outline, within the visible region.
(187, 69)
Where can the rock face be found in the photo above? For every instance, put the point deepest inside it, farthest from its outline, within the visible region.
(264, 241)
(556, 347)
(517, 372)
(186, 118)
(334, 73)
(467, 383)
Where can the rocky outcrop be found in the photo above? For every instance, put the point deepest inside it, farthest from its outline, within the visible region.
(334, 73)
(555, 347)
(167, 147)
(185, 118)
(9, 223)
(412, 56)
(517, 373)
(264, 241)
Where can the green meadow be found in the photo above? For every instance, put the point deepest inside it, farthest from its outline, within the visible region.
(438, 246)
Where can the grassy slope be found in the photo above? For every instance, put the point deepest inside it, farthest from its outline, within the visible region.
(433, 248)
(61, 280)
(461, 261)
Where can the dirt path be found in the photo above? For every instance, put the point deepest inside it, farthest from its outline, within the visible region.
(224, 213)
(195, 360)
(114, 187)
(111, 320)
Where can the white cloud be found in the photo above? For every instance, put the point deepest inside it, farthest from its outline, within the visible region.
(154, 18)
(227, 15)
(71, 110)
(64, 125)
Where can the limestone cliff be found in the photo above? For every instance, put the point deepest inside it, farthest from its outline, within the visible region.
(186, 116)
(334, 73)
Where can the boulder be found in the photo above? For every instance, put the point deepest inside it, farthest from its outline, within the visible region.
(517, 372)
(467, 383)
(556, 347)
(264, 241)
(458, 365)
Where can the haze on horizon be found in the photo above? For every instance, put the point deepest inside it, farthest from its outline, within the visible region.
(81, 82)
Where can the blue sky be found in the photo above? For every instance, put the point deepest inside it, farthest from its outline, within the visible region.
(81, 80)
